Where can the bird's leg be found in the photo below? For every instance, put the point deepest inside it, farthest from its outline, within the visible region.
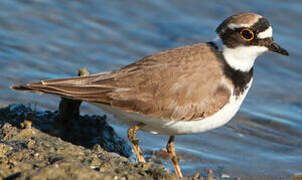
(174, 158)
(134, 142)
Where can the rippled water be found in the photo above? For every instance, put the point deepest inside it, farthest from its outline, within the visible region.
(42, 39)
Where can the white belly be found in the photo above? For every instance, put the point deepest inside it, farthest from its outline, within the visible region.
(161, 126)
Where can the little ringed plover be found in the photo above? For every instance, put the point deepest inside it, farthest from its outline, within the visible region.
(184, 90)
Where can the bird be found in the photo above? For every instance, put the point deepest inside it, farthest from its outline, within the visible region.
(183, 90)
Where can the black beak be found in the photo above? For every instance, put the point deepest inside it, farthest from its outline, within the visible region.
(276, 48)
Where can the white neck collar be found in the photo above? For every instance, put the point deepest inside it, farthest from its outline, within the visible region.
(242, 57)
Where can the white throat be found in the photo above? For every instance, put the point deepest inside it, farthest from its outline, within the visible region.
(243, 57)
(240, 58)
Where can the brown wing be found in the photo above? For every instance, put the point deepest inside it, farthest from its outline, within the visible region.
(183, 83)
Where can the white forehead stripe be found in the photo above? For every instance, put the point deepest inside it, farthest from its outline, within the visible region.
(266, 34)
(233, 26)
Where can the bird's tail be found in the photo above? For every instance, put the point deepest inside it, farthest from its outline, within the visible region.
(72, 88)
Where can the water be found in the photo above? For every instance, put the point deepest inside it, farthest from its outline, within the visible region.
(53, 38)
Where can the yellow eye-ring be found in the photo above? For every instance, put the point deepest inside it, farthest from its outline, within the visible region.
(247, 34)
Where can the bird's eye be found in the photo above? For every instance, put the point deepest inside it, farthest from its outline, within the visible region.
(247, 34)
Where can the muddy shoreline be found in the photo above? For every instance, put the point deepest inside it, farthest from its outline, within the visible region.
(35, 145)
(38, 145)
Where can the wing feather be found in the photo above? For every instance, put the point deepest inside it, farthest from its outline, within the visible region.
(183, 84)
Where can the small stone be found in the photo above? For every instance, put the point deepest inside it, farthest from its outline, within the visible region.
(83, 72)
(4, 149)
(31, 144)
(26, 124)
(95, 162)
(105, 167)
(97, 148)
(210, 173)
(145, 166)
(196, 176)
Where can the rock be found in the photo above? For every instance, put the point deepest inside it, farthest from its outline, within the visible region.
(89, 150)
